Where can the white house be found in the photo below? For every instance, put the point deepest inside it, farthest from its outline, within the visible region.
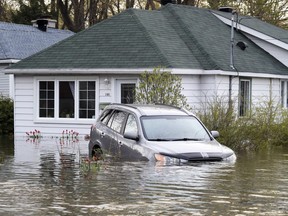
(67, 85)
(20, 41)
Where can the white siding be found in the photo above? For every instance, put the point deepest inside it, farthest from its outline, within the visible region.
(264, 90)
(199, 90)
(25, 113)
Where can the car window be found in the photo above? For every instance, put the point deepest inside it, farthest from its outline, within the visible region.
(105, 116)
(131, 125)
(173, 128)
(117, 120)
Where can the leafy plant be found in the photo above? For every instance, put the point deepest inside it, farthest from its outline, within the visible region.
(265, 127)
(160, 86)
(36, 134)
(6, 115)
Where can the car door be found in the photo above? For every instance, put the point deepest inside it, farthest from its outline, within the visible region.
(129, 149)
(114, 128)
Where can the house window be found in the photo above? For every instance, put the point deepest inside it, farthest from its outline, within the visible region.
(87, 95)
(67, 99)
(127, 93)
(244, 97)
(125, 90)
(46, 99)
(284, 94)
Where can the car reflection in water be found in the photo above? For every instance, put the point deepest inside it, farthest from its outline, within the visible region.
(155, 133)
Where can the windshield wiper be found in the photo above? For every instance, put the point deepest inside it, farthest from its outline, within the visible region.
(159, 139)
(186, 139)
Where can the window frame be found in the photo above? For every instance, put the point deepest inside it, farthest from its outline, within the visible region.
(57, 80)
(247, 107)
(117, 86)
(284, 93)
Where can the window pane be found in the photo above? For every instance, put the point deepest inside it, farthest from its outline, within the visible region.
(105, 116)
(42, 94)
(244, 100)
(91, 95)
(66, 99)
(82, 105)
(282, 93)
(91, 86)
(118, 121)
(50, 104)
(131, 125)
(87, 94)
(83, 85)
(286, 93)
(46, 99)
(127, 93)
(91, 104)
(83, 94)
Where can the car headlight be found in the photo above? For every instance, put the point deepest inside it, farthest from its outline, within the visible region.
(166, 159)
(231, 158)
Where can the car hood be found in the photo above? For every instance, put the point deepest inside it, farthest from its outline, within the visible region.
(192, 150)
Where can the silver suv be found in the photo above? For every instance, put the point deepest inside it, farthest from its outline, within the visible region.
(155, 133)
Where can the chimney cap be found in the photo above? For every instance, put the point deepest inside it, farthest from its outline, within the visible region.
(51, 23)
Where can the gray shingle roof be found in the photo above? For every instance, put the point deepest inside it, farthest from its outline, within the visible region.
(20, 41)
(175, 36)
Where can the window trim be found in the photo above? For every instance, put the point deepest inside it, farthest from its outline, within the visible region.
(56, 118)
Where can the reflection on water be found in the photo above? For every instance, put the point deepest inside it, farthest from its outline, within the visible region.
(48, 177)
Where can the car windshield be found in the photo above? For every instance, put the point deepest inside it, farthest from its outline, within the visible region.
(173, 128)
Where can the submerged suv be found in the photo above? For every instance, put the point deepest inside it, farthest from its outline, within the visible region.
(154, 133)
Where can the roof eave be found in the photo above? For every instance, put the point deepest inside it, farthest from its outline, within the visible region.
(255, 33)
(9, 61)
(137, 71)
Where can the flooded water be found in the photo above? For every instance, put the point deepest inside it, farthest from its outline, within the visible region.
(50, 177)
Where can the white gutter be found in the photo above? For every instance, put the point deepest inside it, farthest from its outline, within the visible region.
(9, 61)
(255, 33)
(177, 71)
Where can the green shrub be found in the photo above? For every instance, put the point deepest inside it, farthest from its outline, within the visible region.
(265, 127)
(160, 86)
(6, 115)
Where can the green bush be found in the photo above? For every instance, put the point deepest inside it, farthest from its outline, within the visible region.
(265, 127)
(6, 115)
(160, 86)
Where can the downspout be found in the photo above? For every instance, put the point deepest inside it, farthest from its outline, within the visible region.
(231, 59)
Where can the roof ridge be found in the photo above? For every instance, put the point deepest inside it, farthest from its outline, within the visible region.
(148, 36)
(188, 33)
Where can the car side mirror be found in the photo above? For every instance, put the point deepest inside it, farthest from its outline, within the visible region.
(215, 134)
(131, 135)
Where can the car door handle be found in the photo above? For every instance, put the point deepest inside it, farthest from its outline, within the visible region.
(102, 134)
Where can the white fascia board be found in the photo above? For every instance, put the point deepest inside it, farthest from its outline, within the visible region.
(83, 71)
(177, 71)
(9, 61)
(97, 71)
(255, 33)
(262, 75)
